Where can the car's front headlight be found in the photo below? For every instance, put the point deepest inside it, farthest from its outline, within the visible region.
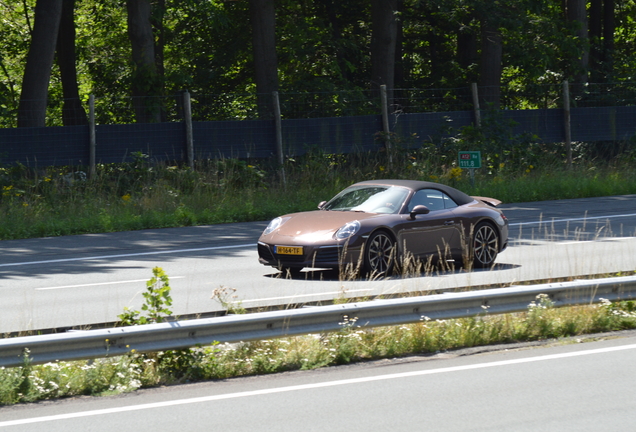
(273, 225)
(347, 230)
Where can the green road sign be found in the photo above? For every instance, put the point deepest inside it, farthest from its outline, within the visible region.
(469, 159)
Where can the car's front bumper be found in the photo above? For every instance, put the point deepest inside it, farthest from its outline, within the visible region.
(325, 256)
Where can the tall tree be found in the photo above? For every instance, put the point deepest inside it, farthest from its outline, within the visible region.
(263, 20)
(72, 112)
(37, 72)
(146, 83)
(383, 43)
(602, 25)
(490, 63)
(576, 15)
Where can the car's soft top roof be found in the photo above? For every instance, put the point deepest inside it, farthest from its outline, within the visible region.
(458, 196)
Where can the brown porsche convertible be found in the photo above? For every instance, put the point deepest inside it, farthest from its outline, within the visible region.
(373, 224)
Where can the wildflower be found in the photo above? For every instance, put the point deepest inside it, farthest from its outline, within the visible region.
(382, 168)
(126, 197)
(455, 173)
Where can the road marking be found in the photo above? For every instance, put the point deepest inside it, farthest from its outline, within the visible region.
(101, 283)
(313, 386)
(166, 252)
(305, 295)
(128, 255)
(551, 221)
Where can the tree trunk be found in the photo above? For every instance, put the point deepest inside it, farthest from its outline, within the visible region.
(72, 112)
(156, 19)
(576, 13)
(145, 81)
(609, 27)
(596, 40)
(37, 72)
(399, 77)
(263, 19)
(490, 66)
(383, 42)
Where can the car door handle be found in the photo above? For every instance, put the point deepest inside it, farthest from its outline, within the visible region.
(449, 222)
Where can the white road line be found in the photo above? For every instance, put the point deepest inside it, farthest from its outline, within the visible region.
(101, 283)
(304, 295)
(313, 386)
(172, 251)
(551, 221)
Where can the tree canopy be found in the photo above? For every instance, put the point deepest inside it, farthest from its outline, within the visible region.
(115, 49)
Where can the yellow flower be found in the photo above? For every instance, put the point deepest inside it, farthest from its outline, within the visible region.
(47, 179)
(25, 204)
(382, 168)
(501, 165)
(126, 197)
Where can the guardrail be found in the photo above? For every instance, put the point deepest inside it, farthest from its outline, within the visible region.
(89, 344)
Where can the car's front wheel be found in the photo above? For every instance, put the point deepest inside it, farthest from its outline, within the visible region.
(485, 245)
(379, 255)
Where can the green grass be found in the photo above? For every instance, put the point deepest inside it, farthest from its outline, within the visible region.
(127, 373)
(140, 195)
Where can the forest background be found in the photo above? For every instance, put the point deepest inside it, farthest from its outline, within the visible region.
(55, 53)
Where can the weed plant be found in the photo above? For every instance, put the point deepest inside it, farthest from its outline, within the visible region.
(145, 194)
(106, 376)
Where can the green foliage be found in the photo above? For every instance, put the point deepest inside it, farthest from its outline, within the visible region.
(352, 343)
(143, 194)
(157, 300)
(322, 53)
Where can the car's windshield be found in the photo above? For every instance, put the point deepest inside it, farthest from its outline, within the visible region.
(370, 199)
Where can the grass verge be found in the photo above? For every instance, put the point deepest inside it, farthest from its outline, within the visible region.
(107, 376)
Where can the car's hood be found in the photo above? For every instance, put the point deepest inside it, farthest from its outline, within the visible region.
(316, 225)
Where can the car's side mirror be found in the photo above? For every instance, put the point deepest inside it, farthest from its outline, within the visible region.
(419, 209)
(321, 204)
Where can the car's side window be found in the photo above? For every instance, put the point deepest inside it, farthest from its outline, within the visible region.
(448, 202)
(433, 199)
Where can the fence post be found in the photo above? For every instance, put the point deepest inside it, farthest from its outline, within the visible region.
(187, 117)
(385, 122)
(476, 109)
(279, 136)
(566, 122)
(92, 144)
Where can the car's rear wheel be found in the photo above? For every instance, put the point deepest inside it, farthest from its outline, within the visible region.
(379, 255)
(485, 245)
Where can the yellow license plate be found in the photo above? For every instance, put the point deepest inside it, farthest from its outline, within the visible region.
(288, 250)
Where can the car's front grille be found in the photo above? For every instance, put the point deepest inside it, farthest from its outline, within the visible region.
(264, 252)
(327, 254)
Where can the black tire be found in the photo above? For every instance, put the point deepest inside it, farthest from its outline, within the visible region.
(379, 254)
(485, 245)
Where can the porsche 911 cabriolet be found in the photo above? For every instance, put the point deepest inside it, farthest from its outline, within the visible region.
(374, 224)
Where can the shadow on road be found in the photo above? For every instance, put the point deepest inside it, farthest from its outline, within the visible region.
(330, 275)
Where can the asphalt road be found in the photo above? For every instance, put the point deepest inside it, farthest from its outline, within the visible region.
(89, 279)
(564, 387)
